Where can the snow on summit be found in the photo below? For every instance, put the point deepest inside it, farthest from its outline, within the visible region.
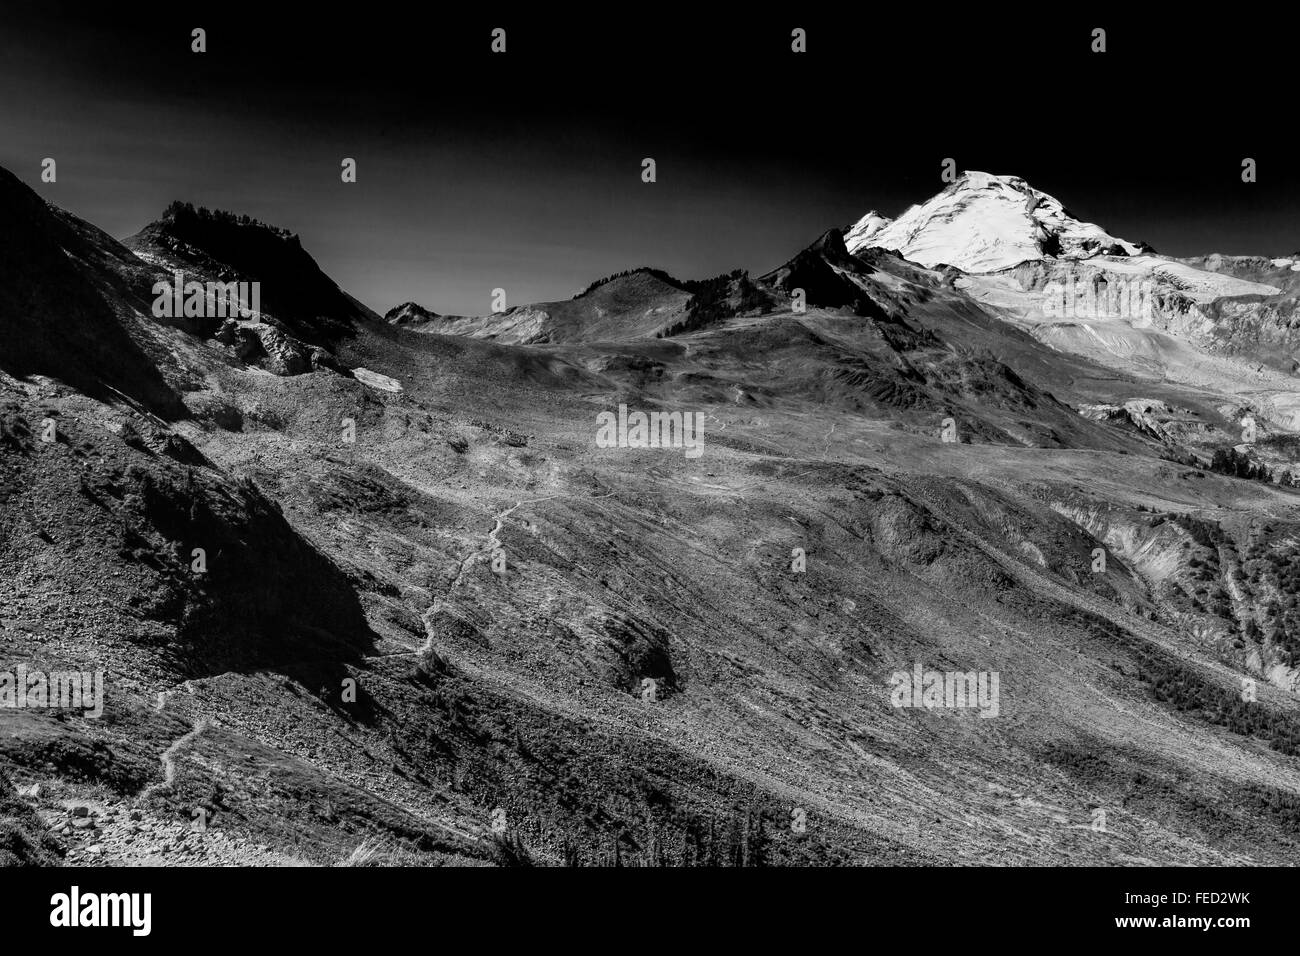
(983, 223)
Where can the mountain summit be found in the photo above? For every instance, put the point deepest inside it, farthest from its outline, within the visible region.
(983, 223)
(215, 245)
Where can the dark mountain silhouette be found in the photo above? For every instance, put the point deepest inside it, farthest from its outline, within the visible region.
(68, 309)
(228, 247)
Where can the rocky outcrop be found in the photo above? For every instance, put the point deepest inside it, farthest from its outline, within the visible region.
(1151, 417)
(1100, 291)
(211, 245)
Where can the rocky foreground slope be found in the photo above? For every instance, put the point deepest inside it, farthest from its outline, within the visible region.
(435, 621)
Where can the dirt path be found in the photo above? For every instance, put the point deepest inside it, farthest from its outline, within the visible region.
(168, 757)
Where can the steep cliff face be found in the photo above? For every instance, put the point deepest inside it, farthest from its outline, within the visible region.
(1142, 291)
(1267, 332)
(1229, 583)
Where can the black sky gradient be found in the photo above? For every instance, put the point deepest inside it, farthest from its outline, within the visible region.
(522, 171)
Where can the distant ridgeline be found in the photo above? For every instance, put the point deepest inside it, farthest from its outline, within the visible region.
(686, 285)
(718, 297)
(693, 286)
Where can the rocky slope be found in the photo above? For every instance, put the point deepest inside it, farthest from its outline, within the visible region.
(440, 624)
(23, 840)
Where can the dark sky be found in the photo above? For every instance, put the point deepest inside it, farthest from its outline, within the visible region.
(523, 171)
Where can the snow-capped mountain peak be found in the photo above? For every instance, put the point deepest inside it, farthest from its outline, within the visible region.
(983, 223)
(856, 237)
